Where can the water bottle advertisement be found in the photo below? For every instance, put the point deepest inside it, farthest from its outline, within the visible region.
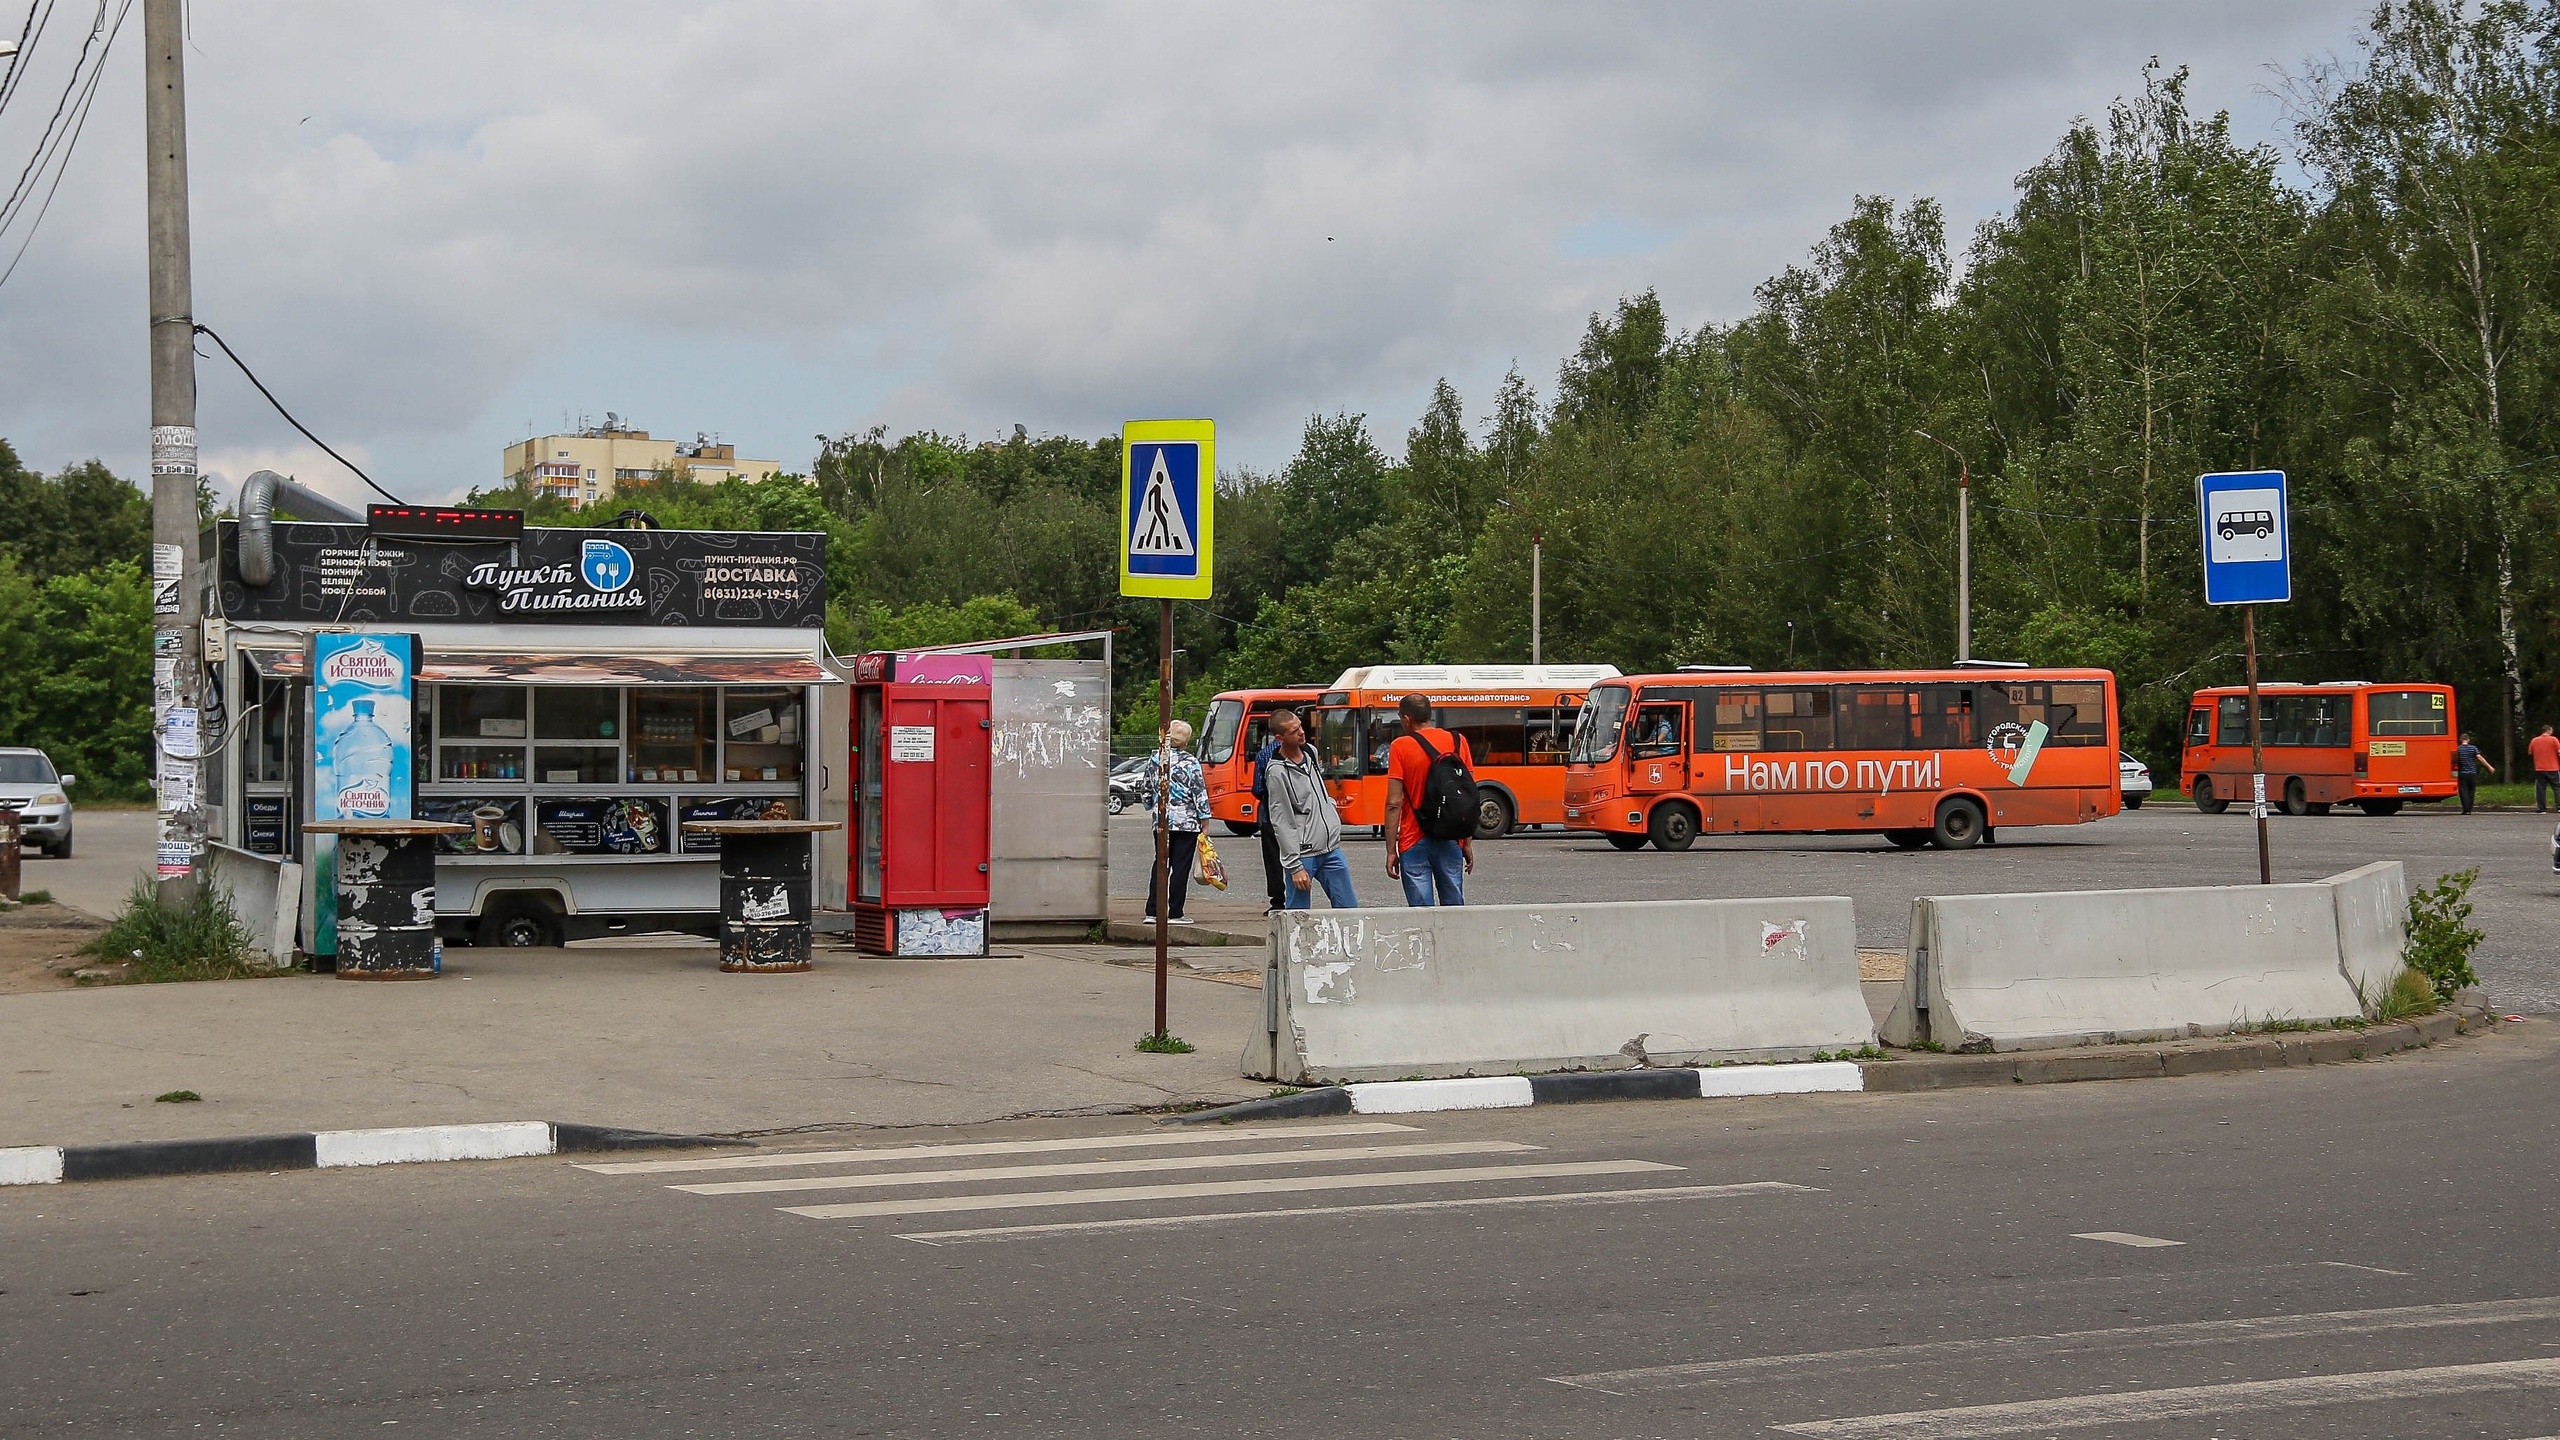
(363, 752)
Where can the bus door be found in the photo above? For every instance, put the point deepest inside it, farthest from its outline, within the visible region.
(1341, 740)
(1658, 747)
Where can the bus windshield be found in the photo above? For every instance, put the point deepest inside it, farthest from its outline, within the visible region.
(1595, 734)
(1338, 738)
(1218, 746)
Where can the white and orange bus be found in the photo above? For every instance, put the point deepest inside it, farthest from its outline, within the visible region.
(1516, 720)
(1943, 757)
(2346, 742)
(1237, 724)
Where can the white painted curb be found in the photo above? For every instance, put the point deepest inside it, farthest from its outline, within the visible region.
(31, 1165)
(423, 1143)
(1407, 1097)
(1828, 1077)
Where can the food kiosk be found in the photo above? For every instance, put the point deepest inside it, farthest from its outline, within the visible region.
(581, 696)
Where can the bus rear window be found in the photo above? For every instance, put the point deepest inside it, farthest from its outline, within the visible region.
(2407, 712)
(1218, 742)
(1595, 732)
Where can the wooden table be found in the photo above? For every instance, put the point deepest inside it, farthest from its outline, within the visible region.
(383, 886)
(764, 891)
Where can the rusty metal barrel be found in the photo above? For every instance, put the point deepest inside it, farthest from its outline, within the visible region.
(764, 891)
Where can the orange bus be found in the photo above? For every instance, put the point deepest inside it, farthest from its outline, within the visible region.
(1516, 720)
(2348, 741)
(1229, 739)
(1943, 757)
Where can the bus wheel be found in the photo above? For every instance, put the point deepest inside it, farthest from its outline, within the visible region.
(2206, 800)
(1907, 839)
(1625, 842)
(2317, 807)
(1493, 815)
(2296, 800)
(2379, 808)
(1246, 828)
(1673, 826)
(1959, 825)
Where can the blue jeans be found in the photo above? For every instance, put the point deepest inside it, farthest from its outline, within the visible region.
(1434, 863)
(1331, 870)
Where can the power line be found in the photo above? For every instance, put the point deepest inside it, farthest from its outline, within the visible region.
(207, 331)
(28, 36)
(88, 98)
(53, 122)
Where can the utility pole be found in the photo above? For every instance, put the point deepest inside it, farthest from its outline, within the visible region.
(1537, 597)
(177, 579)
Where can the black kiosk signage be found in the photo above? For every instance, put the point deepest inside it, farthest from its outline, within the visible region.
(585, 696)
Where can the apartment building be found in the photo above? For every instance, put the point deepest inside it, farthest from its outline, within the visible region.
(588, 465)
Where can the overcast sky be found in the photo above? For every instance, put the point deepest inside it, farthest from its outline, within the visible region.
(437, 227)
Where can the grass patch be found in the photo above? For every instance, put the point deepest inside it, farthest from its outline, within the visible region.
(1930, 1047)
(200, 940)
(35, 897)
(1160, 1043)
(1283, 1092)
(176, 1097)
(1868, 1051)
(2411, 993)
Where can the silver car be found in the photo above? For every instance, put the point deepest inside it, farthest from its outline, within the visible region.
(29, 786)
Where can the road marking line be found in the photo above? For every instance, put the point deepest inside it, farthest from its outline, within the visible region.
(2138, 1242)
(1121, 1194)
(997, 1147)
(2136, 1337)
(1569, 1197)
(1141, 1166)
(2190, 1402)
(2373, 1269)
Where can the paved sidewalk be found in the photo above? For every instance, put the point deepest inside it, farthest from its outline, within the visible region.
(648, 1037)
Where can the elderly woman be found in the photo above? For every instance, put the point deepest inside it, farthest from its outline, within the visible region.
(1173, 779)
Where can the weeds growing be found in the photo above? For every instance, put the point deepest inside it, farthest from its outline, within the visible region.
(2440, 942)
(200, 940)
(1162, 1044)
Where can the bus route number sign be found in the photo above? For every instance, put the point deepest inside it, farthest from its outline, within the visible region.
(2248, 557)
(1168, 490)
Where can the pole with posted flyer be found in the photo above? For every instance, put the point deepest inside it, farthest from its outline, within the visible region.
(1168, 493)
(2248, 562)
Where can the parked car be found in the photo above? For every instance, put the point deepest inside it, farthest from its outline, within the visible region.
(1127, 784)
(29, 785)
(2134, 779)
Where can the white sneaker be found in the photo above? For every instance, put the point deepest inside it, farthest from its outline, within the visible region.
(1182, 920)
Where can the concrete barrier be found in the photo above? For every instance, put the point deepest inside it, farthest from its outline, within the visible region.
(266, 893)
(1494, 989)
(2091, 967)
(2373, 926)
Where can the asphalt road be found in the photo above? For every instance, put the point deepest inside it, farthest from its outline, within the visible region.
(2352, 1251)
(2517, 898)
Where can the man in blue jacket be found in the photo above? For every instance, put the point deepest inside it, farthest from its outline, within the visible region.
(1271, 868)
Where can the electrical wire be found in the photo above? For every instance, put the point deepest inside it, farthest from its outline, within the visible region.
(80, 123)
(45, 143)
(2190, 519)
(207, 332)
(28, 35)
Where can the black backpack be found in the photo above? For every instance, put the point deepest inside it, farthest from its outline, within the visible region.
(1448, 807)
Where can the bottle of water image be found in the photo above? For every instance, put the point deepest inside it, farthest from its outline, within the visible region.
(361, 765)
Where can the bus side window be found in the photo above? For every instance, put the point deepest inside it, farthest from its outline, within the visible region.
(2199, 726)
(1947, 719)
(2235, 720)
(1495, 734)
(2079, 715)
(1657, 731)
(1737, 720)
(1877, 717)
(1797, 719)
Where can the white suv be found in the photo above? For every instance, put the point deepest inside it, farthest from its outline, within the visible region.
(29, 786)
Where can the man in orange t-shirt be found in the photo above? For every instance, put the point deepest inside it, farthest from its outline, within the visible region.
(1423, 865)
(2545, 750)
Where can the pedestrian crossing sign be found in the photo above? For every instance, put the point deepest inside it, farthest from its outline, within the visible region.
(1168, 489)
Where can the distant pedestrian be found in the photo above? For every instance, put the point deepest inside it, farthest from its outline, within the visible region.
(1272, 883)
(2545, 750)
(1433, 869)
(2467, 761)
(1173, 776)
(1301, 817)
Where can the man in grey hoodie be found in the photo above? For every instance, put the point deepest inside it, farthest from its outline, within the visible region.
(1303, 821)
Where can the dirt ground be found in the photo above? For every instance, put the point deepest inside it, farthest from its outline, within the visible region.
(39, 945)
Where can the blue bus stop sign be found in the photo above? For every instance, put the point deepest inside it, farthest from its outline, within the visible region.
(2248, 551)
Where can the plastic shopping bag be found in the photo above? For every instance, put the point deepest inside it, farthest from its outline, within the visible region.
(1213, 871)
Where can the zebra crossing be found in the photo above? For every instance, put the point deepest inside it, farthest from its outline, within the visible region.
(1089, 1174)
